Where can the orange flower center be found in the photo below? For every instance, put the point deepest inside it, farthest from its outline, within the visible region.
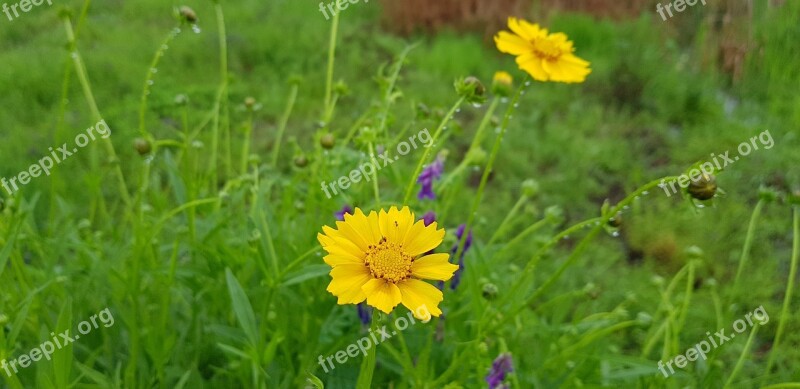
(547, 49)
(387, 260)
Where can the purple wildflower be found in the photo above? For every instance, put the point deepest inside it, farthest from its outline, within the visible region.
(467, 243)
(345, 210)
(429, 218)
(501, 366)
(429, 174)
(364, 313)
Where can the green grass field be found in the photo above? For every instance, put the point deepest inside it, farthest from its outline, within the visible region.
(174, 230)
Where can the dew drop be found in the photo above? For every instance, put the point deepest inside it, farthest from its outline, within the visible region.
(615, 234)
(700, 205)
(164, 47)
(645, 193)
(150, 82)
(626, 207)
(527, 83)
(153, 70)
(458, 110)
(74, 54)
(196, 29)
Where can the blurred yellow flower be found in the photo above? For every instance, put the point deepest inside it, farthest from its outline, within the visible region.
(380, 258)
(546, 57)
(504, 78)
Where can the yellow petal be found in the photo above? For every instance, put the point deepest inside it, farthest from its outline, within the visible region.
(574, 59)
(366, 226)
(533, 66)
(433, 267)
(394, 224)
(339, 242)
(421, 298)
(381, 294)
(421, 239)
(347, 283)
(511, 44)
(526, 30)
(342, 259)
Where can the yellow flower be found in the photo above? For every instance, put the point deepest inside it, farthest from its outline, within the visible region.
(380, 258)
(504, 78)
(546, 57)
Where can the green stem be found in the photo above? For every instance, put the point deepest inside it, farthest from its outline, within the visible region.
(740, 362)
(501, 228)
(498, 141)
(513, 291)
(248, 131)
(426, 153)
(80, 70)
(223, 69)
(328, 113)
(375, 178)
(368, 364)
(282, 125)
(522, 235)
(748, 242)
(789, 289)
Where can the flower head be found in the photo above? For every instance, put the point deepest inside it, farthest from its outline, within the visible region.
(429, 218)
(379, 258)
(502, 83)
(429, 174)
(501, 366)
(467, 244)
(344, 211)
(364, 313)
(545, 56)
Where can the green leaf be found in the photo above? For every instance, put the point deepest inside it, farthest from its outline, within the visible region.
(313, 380)
(307, 273)
(242, 308)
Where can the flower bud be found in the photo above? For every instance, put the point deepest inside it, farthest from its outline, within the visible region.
(476, 156)
(300, 161)
(142, 146)
(471, 89)
(554, 214)
(615, 221)
(767, 194)
(187, 14)
(704, 187)
(489, 291)
(794, 197)
(181, 100)
(502, 83)
(327, 141)
(694, 252)
(530, 187)
(249, 102)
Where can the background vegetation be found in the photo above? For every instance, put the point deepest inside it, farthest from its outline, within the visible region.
(659, 99)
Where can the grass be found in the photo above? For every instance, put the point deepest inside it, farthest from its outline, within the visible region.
(205, 251)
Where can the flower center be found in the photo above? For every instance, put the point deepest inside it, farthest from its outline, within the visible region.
(387, 260)
(546, 48)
